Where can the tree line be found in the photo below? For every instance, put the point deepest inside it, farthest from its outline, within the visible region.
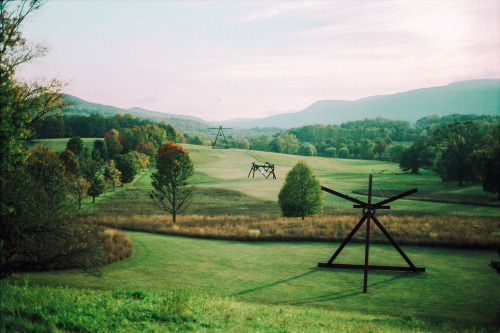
(92, 126)
(460, 152)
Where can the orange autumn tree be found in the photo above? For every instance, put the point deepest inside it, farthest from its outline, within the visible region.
(172, 191)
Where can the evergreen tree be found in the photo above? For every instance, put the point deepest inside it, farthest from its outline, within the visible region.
(301, 193)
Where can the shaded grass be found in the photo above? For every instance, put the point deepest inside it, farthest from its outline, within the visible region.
(458, 290)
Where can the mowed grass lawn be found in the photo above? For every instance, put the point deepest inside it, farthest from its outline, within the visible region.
(457, 289)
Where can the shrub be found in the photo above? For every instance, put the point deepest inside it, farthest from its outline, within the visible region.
(117, 246)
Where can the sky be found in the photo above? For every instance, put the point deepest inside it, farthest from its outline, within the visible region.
(220, 60)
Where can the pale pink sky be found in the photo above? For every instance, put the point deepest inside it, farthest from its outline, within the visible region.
(237, 59)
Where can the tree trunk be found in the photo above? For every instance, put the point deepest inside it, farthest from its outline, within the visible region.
(93, 199)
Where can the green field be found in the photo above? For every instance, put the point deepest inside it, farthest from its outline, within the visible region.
(458, 291)
(224, 187)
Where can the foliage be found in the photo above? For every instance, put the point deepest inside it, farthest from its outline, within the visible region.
(331, 152)
(486, 161)
(37, 227)
(307, 149)
(112, 174)
(395, 153)
(380, 147)
(301, 193)
(40, 231)
(96, 188)
(172, 192)
(102, 148)
(117, 246)
(454, 143)
(285, 143)
(366, 150)
(129, 167)
(21, 104)
(113, 143)
(70, 162)
(344, 152)
(78, 187)
(75, 144)
(417, 156)
(145, 148)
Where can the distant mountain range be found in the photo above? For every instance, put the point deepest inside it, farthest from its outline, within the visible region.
(466, 97)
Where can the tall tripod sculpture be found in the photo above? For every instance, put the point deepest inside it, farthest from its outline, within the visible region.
(220, 133)
(369, 215)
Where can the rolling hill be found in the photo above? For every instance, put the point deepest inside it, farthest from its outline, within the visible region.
(185, 124)
(465, 97)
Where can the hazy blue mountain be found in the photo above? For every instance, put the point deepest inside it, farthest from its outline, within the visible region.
(185, 124)
(466, 97)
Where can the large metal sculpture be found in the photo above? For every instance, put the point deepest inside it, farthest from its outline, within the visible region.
(220, 133)
(369, 209)
(267, 170)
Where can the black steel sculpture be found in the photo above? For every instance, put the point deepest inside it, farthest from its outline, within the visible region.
(267, 170)
(369, 215)
(220, 133)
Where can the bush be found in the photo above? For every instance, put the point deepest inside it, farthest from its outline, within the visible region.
(117, 246)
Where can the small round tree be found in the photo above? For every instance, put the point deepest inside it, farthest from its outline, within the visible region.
(172, 192)
(75, 144)
(301, 193)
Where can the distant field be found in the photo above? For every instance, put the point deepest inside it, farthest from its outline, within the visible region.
(59, 144)
(223, 187)
(458, 290)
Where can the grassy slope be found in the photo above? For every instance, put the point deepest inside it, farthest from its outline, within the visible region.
(458, 287)
(229, 169)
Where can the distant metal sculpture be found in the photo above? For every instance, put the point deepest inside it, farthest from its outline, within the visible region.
(368, 215)
(267, 170)
(220, 133)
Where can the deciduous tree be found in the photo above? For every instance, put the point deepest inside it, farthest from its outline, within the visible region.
(112, 174)
(417, 156)
(75, 144)
(37, 228)
(454, 143)
(172, 191)
(301, 193)
(486, 161)
(112, 139)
